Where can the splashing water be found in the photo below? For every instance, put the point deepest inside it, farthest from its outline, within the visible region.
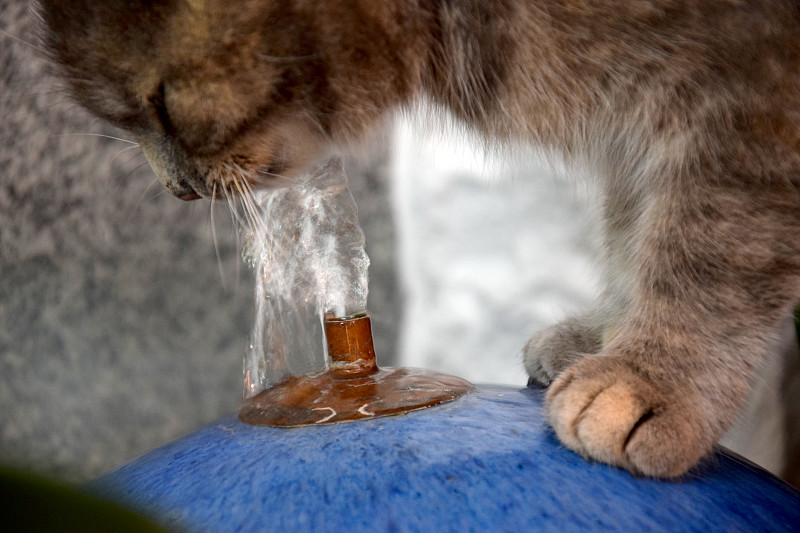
(307, 250)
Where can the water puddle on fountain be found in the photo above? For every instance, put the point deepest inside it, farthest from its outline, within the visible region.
(311, 359)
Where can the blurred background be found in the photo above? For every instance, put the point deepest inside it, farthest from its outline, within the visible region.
(122, 328)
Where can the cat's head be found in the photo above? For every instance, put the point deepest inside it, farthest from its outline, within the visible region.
(225, 91)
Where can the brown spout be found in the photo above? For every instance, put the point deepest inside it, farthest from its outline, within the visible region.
(353, 387)
(350, 348)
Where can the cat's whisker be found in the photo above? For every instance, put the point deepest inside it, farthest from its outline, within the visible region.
(236, 226)
(255, 211)
(135, 169)
(235, 187)
(120, 183)
(214, 236)
(45, 53)
(247, 204)
(256, 208)
(270, 178)
(235, 217)
(96, 135)
(247, 185)
(252, 221)
(161, 192)
(133, 156)
(316, 123)
(123, 151)
(139, 201)
(225, 196)
(243, 186)
(233, 195)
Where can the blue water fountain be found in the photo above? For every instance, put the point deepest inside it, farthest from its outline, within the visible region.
(486, 461)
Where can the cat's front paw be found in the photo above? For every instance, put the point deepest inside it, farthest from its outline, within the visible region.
(604, 410)
(555, 348)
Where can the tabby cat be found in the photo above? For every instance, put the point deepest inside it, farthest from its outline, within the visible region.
(687, 111)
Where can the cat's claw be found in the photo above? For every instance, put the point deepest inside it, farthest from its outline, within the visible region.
(603, 410)
(538, 375)
(535, 384)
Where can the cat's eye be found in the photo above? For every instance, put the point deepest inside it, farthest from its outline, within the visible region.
(159, 102)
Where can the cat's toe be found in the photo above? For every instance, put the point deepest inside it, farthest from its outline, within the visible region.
(603, 410)
(535, 360)
(555, 348)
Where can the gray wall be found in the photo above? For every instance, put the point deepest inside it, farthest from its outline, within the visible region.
(117, 331)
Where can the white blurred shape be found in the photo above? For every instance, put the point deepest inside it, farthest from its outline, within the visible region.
(492, 248)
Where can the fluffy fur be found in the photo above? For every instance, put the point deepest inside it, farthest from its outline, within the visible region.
(687, 111)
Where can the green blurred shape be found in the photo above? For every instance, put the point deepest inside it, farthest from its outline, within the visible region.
(30, 503)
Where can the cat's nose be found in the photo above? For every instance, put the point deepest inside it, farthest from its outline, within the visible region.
(172, 169)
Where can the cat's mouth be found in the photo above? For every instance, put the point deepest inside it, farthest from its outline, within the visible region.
(236, 182)
(184, 179)
(187, 196)
(233, 181)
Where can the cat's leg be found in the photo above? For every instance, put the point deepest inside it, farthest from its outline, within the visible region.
(716, 268)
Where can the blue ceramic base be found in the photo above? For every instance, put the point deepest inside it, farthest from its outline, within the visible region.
(486, 462)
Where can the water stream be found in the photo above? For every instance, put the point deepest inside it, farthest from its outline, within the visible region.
(306, 248)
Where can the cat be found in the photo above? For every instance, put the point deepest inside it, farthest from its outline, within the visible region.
(687, 112)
